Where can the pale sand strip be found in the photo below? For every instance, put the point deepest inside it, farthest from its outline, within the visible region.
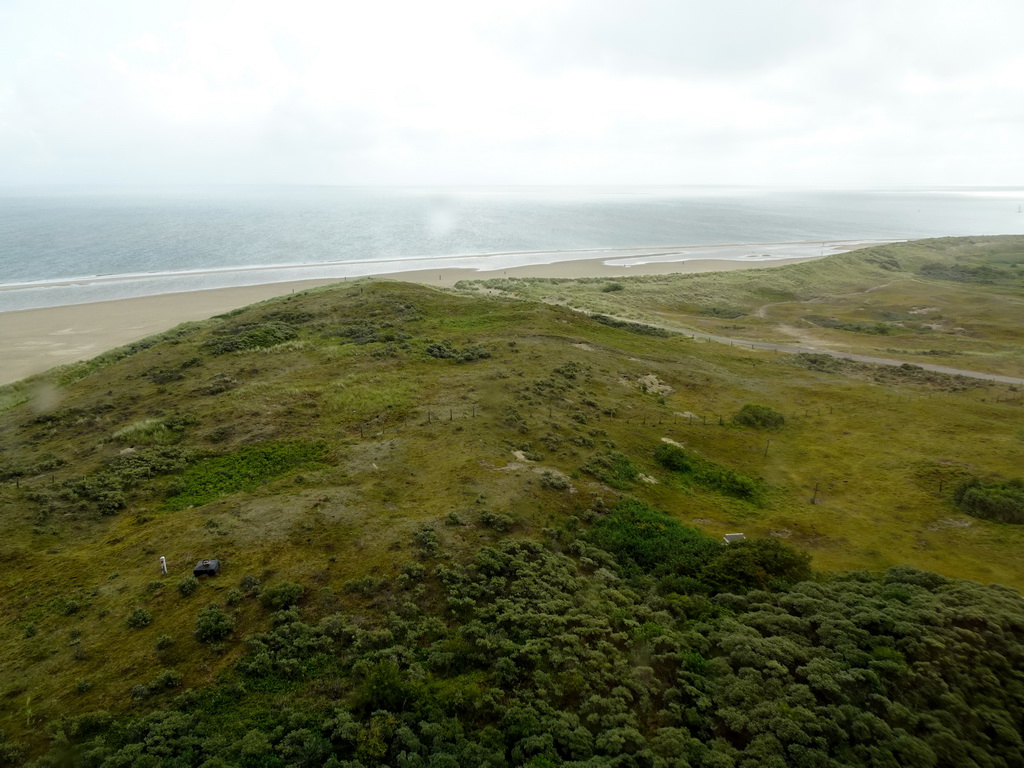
(35, 340)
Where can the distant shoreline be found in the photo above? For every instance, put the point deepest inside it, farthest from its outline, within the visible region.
(37, 339)
(93, 288)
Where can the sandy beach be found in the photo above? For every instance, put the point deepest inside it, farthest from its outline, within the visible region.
(35, 340)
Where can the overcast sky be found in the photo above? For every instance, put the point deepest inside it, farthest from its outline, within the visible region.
(439, 92)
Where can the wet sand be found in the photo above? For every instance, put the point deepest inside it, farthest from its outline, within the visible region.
(35, 340)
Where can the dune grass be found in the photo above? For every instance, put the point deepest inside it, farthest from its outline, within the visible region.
(953, 301)
(389, 454)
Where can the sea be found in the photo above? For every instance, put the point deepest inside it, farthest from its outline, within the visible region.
(69, 245)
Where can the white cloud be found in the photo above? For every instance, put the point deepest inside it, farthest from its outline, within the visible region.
(511, 92)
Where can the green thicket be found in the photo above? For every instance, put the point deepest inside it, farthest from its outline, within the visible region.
(573, 653)
(759, 417)
(707, 473)
(1002, 502)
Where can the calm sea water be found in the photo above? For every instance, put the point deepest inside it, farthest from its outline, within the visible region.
(159, 239)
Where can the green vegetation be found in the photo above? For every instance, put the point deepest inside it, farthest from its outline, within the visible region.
(944, 299)
(641, 328)
(1002, 502)
(759, 417)
(612, 468)
(707, 473)
(140, 618)
(425, 561)
(643, 540)
(213, 624)
(246, 470)
(242, 338)
(551, 659)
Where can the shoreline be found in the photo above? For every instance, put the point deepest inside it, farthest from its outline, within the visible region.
(34, 340)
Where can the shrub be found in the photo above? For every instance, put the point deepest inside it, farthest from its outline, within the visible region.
(611, 287)
(367, 586)
(188, 585)
(674, 458)
(140, 618)
(759, 417)
(645, 540)
(83, 685)
(164, 642)
(139, 692)
(213, 624)
(613, 468)
(282, 595)
(626, 325)
(253, 336)
(169, 678)
(426, 539)
(707, 473)
(757, 564)
(1002, 502)
(555, 482)
(496, 521)
(453, 518)
(447, 351)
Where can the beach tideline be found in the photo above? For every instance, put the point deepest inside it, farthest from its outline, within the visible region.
(35, 340)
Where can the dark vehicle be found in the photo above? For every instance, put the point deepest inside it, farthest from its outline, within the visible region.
(206, 568)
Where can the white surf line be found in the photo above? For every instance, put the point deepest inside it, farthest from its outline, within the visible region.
(632, 251)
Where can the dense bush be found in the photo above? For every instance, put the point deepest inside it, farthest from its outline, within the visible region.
(707, 473)
(448, 351)
(645, 540)
(426, 539)
(188, 585)
(756, 564)
(641, 328)
(106, 489)
(1002, 502)
(140, 618)
(538, 658)
(282, 595)
(759, 417)
(496, 520)
(253, 336)
(555, 482)
(613, 468)
(213, 624)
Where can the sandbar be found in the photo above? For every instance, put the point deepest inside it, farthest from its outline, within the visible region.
(34, 340)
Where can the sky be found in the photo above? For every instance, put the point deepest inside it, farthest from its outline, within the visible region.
(833, 93)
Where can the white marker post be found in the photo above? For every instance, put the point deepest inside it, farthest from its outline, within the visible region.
(163, 565)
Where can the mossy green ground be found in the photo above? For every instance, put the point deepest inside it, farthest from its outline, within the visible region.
(408, 439)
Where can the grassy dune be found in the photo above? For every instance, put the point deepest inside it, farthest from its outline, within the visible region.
(331, 437)
(952, 301)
